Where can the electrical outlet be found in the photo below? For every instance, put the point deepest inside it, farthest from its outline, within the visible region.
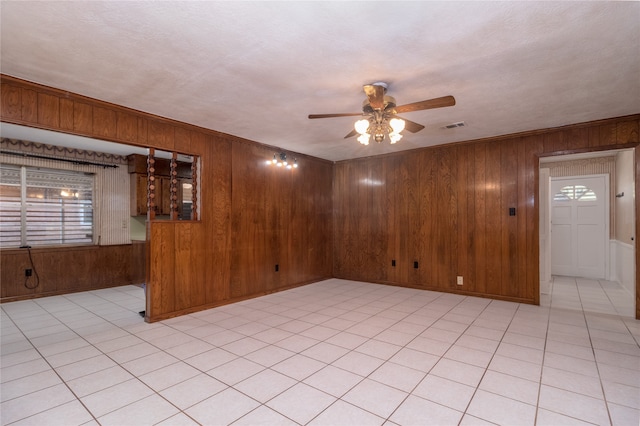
(28, 272)
(460, 280)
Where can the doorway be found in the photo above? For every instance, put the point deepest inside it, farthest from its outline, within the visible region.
(583, 248)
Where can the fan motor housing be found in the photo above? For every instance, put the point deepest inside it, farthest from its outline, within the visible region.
(389, 103)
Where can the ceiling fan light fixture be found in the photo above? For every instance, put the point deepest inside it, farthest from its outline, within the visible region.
(379, 111)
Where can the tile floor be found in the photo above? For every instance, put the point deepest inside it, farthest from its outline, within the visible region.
(332, 353)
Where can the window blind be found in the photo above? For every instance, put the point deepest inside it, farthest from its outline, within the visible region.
(41, 207)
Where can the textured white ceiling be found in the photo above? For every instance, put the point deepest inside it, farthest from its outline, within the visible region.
(257, 69)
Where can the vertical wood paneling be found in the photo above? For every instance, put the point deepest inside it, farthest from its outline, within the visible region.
(480, 153)
(216, 208)
(461, 236)
(468, 270)
(388, 219)
(522, 271)
(143, 134)
(509, 199)
(161, 135)
(317, 217)
(11, 101)
(554, 142)
(428, 206)
(277, 219)
(249, 206)
(576, 138)
(30, 106)
(376, 189)
(444, 229)
(82, 118)
(66, 114)
(273, 214)
(48, 110)
(628, 132)
(184, 252)
(104, 122)
(608, 134)
(410, 172)
(127, 127)
(161, 285)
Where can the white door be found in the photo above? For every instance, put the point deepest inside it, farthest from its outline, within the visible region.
(579, 226)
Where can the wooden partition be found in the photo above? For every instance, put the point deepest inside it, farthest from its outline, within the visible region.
(69, 269)
(192, 265)
(447, 208)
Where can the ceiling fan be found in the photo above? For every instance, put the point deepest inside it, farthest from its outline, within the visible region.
(380, 115)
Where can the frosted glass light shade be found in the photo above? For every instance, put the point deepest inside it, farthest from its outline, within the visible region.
(361, 126)
(394, 137)
(364, 139)
(397, 125)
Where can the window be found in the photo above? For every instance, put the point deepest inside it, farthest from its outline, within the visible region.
(575, 192)
(43, 207)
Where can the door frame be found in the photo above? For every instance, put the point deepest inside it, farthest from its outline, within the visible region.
(635, 146)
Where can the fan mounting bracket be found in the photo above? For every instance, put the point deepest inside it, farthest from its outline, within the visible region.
(381, 83)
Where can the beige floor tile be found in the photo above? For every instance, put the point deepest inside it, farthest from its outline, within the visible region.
(375, 397)
(344, 413)
(301, 403)
(265, 385)
(417, 411)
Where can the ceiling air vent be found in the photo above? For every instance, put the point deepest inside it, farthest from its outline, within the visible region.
(454, 125)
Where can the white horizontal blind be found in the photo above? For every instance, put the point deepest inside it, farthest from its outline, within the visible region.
(55, 206)
(10, 206)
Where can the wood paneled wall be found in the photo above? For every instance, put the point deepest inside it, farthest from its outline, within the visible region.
(70, 269)
(279, 217)
(193, 265)
(447, 208)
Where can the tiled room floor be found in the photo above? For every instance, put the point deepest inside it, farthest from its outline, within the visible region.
(332, 353)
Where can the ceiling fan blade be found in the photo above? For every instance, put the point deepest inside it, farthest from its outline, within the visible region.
(444, 101)
(411, 126)
(351, 134)
(375, 93)
(347, 114)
